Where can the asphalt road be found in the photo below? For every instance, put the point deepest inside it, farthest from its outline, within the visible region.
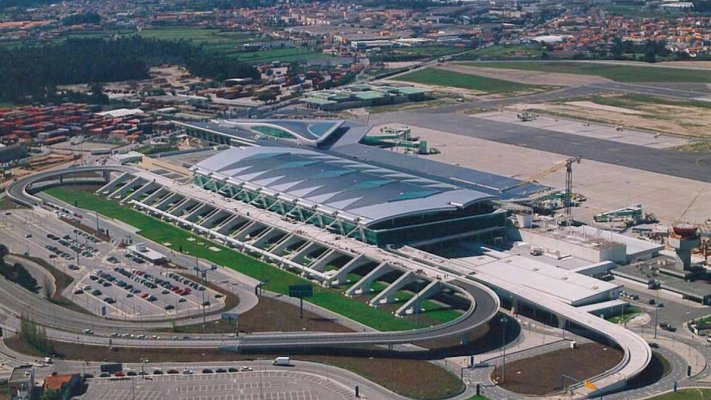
(485, 306)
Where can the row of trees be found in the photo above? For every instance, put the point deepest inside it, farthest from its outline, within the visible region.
(16, 272)
(31, 73)
(83, 18)
(23, 3)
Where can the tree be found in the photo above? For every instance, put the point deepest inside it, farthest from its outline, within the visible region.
(618, 48)
(35, 337)
(3, 251)
(266, 96)
(47, 288)
(50, 394)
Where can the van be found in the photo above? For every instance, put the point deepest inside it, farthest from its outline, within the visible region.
(282, 361)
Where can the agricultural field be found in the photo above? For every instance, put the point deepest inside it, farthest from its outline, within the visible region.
(285, 55)
(685, 118)
(415, 53)
(481, 85)
(218, 41)
(278, 280)
(504, 51)
(615, 72)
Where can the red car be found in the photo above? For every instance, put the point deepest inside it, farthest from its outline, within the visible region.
(119, 374)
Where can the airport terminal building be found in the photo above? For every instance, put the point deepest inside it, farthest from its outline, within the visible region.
(318, 172)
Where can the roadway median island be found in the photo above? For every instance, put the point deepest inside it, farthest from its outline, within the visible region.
(553, 372)
(277, 280)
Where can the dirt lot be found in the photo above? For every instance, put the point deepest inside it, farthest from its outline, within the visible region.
(692, 64)
(541, 375)
(527, 77)
(269, 315)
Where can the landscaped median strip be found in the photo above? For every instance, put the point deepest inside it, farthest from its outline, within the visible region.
(278, 280)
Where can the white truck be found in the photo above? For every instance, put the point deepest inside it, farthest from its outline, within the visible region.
(282, 361)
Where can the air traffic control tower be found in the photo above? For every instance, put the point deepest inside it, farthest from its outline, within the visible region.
(683, 239)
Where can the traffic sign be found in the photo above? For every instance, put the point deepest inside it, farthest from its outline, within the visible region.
(230, 316)
(301, 291)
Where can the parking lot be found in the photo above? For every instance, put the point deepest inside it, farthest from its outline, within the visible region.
(268, 383)
(108, 280)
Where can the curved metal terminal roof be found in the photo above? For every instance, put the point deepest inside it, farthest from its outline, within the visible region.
(351, 189)
(341, 138)
(313, 132)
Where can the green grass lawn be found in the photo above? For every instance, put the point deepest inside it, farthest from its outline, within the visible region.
(430, 51)
(615, 72)
(439, 77)
(638, 101)
(279, 280)
(686, 394)
(504, 51)
(283, 55)
(629, 313)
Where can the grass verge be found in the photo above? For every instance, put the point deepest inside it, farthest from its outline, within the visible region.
(278, 281)
(629, 313)
(61, 280)
(685, 394)
(440, 77)
(615, 72)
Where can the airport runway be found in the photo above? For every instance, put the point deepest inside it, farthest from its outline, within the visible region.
(696, 166)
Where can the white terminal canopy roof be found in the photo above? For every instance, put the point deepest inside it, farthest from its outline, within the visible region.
(348, 188)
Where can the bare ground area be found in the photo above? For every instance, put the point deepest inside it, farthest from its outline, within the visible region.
(689, 121)
(527, 77)
(269, 315)
(543, 374)
(691, 64)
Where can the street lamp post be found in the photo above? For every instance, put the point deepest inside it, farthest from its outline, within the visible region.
(503, 347)
(656, 312)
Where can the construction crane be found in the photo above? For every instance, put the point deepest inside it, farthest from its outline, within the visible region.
(568, 165)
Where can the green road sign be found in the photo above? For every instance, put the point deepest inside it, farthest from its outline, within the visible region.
(301, 291)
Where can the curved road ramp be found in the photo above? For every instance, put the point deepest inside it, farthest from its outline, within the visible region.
(483, 301)
(484, 305)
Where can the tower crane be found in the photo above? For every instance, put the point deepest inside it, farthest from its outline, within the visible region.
(568, 165)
